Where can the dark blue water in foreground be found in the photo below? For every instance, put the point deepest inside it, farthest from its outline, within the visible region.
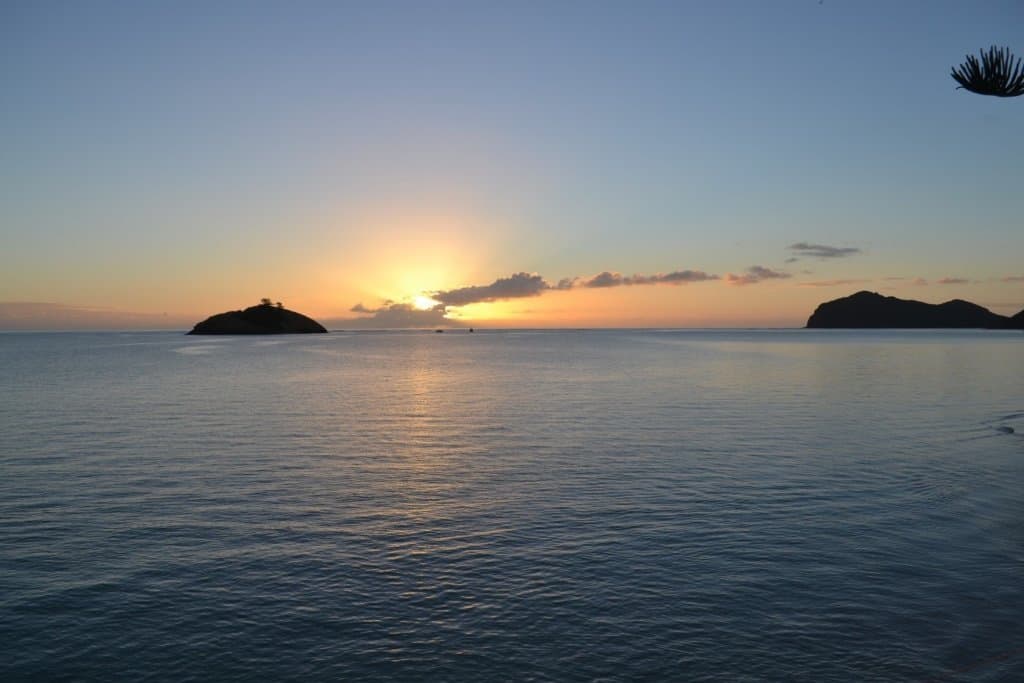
(742, 506)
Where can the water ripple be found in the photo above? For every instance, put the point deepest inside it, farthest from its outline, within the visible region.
(549, 506)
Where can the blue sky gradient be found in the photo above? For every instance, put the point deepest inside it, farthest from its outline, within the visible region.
(150, 152)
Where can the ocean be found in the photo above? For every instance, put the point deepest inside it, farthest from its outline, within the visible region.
(698, 505)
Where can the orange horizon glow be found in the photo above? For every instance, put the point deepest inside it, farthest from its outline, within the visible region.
(405, 256)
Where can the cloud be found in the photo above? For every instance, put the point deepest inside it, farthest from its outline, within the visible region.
(605, 279)
(676, 277)
(822, 250)
(523, 285)
(515, 286)
(392, 315)
(755, 274)
(919, 282)
(566, 283)
(1013, 278)
(832, 283)
(32, 315)
(953, 281)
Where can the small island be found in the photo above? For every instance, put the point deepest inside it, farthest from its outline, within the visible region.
(265, 318)
(872, 310)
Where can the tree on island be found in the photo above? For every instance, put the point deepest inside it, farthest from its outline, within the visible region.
(997, 74)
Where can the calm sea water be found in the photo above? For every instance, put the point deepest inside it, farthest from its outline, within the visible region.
(623, 505)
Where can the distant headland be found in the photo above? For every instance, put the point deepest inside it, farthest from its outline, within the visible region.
(265, 318)
(872, 310)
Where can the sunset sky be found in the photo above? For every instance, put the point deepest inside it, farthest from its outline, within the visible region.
(511, 164)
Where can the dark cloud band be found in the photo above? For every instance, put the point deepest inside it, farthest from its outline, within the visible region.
(676, 277)
(515, 286)
(822, 250)
(755, 274)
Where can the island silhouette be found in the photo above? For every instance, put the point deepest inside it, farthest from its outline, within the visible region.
(264, 318)
(873, 310)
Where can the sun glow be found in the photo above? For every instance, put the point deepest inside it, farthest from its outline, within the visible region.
(424, 303)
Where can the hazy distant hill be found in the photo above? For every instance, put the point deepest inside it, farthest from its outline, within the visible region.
(872, 310)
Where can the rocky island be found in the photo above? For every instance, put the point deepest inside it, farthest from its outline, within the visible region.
(872, 310)
(266, 318)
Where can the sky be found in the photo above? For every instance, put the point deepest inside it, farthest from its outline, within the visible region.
(527, 164)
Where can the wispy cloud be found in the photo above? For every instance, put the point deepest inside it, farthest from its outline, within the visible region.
(755, 274)
(812, 250)
(952, 281)
(919, 282)
(566, 283)
(32, 315)
(394, 315)
(1013, 278)
(832, 283)
(677, 277)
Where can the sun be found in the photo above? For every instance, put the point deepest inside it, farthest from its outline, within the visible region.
(424, 303)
